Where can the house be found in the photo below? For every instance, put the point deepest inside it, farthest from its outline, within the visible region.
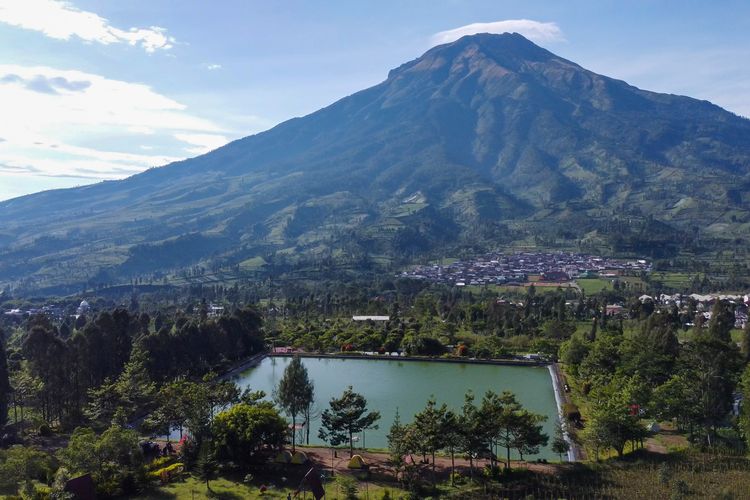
(614, 310)
(371, 318)
(555, 276)
(83, 308)
(215, 311)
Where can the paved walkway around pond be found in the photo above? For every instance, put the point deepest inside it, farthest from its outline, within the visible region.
(562, 398)
(429, 359)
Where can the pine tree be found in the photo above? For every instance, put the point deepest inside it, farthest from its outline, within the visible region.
(5, 388)
(346, 417)
(397, 443)
(559, 444)
(745, 346)
(206, 466)
(722, 321)
(295, 393)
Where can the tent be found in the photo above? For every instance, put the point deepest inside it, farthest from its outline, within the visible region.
(299, 458)
(356, 462)
(283, 457)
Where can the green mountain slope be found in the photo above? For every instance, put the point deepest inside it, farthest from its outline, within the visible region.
(485, 141)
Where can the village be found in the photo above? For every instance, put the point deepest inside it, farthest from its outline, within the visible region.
(501, 269)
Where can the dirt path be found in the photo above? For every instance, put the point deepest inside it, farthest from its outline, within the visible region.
(378, 462)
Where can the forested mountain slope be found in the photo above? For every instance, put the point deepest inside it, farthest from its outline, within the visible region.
(478, 143)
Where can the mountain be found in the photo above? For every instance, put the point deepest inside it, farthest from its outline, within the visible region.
(487, 141)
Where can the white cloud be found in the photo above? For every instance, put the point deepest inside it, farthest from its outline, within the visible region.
(61, 20)
(212, 67)
(58, 118)
(203, 143)
(533, 30)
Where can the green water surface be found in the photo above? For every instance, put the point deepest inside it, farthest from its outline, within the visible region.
(407, 385)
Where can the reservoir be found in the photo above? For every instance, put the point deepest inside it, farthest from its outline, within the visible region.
(389, 384)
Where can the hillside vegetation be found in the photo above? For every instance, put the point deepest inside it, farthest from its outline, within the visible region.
(484, 142)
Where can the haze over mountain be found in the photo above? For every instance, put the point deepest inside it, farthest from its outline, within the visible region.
(486, 141)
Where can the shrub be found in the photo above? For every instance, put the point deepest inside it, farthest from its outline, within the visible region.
(169, 473)
(160, 463)
(680, 490)
(347, 485)
(665, 473)
(571, 412)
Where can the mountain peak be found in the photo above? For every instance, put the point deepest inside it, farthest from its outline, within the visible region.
(509, 50)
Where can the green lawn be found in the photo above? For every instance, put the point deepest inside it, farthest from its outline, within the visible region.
(505, 289)
(683, 336)
(736, 335)
(676, 281)
(222, 488)
(594, 285)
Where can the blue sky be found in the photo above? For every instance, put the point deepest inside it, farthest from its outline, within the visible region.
(101, 90)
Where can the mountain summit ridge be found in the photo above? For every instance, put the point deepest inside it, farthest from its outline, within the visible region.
(499, 139)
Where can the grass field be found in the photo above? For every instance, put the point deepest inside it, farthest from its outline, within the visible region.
(223, 488)
(675, 281)
(592, 286)
(511, 289)
(683, 335)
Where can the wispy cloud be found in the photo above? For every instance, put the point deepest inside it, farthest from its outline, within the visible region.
(213, 67)
(80, 124)
(61, 20)
(40, 83)
(533, 30)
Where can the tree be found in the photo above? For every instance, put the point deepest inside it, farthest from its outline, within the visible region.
(559, 444)
(113, 459)
(295, 392)
(21, 464)
(722, 321)
(527, 433)
(613, 422)
(134, 386)
(26, 388)
(573, 351)
(745, 345)
(510, 425)
(206, 466)
(171, 408)
(651, 351)
(44, 350)
(346, 417)
(397, 448)
(193, 405)
(744, 420)
(471, 430)
(712, 365)
(429, 427)
(243, 431)
(452, 438)
(673, 401)
(5, 388)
